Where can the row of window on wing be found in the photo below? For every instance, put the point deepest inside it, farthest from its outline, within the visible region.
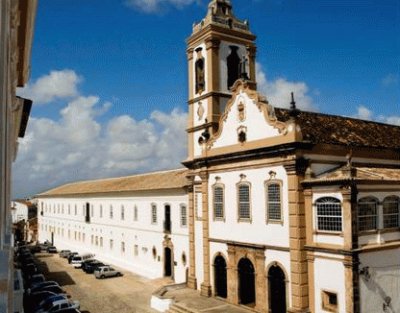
(235, 66)
(329, 213)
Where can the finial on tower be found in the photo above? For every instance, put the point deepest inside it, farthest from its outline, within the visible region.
(294, 111)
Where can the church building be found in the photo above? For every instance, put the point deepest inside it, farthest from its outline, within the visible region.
(279, 210)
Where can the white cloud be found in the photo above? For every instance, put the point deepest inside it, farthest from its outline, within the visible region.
(54, 86)
(278, 92)
(155, 6)
(390, 80)
(76, 146)
(366, 114)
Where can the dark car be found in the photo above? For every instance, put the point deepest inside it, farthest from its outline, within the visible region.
(51, 249)
(35, 248)
(91, 267)
(40, 286)
(33, 299)
(34, 279)
(48, 300)
(87, 262)
(68, 310)
(71, 255)
(53, 288)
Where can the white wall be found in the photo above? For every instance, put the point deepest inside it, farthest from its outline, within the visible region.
(141, 232)
(329, 276)
(384, 281)
(258, 231)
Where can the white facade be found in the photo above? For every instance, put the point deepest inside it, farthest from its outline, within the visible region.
(22, 210)
(127, 231)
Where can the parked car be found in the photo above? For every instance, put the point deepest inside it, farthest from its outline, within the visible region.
(78, 259)
(35, 279)
(48, 300)
(64, 253)
(37, 286)
(57, 305)
(86, 262)
(91, 267)
(52, 249)
(106, 271)
(53, 288)
(34, 298)
(68, 310)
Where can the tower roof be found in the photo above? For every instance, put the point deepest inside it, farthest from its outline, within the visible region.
(220, 13)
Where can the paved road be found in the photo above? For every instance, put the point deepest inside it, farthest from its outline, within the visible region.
(127, 294)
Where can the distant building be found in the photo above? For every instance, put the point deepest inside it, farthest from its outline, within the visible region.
(288, 211)
(22, 210)
(16, 32)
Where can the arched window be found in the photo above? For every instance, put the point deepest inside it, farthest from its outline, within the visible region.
(367, 214)
(243, 190)
(233, 62)
(200, 72)
(329, 214)
(391, 209)
(274, 201)
(218, 201)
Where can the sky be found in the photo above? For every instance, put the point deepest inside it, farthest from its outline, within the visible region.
(109, 77)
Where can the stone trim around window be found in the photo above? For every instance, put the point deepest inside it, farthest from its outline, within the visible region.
(241, 204)
(221, 186)
(268, 218)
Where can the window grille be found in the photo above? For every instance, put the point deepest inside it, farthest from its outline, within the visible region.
(367, 214)
(154, 214)
(244, 201)
(183, 215)
(329, 214)
(274, 208)
(218, 202)
(391, 210)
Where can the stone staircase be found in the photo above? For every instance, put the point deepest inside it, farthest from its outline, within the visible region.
(177, 308)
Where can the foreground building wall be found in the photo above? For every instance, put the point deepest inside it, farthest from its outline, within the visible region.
(145, 231)
(16, 32)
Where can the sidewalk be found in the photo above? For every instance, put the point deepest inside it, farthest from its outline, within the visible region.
(191, 301)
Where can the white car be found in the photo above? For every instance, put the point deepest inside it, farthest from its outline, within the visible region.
(54, 306)
(78, 259)
(106, 271)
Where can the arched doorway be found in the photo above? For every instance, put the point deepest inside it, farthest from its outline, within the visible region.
(247, 292)
(277, 290)
(220, 277)
(167, 262)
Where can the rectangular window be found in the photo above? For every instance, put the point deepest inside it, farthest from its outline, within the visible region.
(101, 211)
(111, 244)
(329, 301)
(391, 210)
(122, 212)
(135, 213)
(101, 241)
(183, 215)
(111, 212)
(154, 214)
(218, 202)
(274, 209)
(329, 214)
(244, 201)
(367, 214)
(136, 250)
(76, 210)
(122, 247)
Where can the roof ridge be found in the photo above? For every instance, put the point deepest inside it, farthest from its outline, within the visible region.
(342, 117)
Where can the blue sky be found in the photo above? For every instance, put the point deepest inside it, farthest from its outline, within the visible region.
(119, 62)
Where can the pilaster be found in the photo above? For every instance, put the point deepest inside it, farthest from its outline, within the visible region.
(232, 277)
(261, 285)
(297, 229)
(192, 281)
(206, 285)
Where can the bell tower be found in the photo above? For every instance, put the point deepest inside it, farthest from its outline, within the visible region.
(220, 48)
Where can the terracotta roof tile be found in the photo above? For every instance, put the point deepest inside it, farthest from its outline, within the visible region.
(339, 130)
(173, 179)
